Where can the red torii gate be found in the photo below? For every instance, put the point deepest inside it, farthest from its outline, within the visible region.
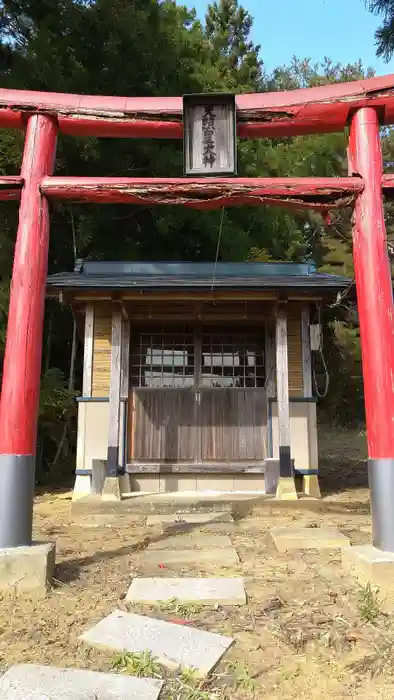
(363, 105)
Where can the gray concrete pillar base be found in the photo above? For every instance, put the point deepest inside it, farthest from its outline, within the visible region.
(16, 500)
(27, 571)
(111, 489)
(381, 484)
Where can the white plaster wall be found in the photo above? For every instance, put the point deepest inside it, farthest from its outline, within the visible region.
(303, 433)
(313, 440)
(92, 443)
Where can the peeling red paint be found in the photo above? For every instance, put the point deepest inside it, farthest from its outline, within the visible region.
(22, 359)
(320, 109)
(207, 193)
(373, 284)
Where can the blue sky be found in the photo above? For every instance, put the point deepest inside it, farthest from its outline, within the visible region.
(341, 29)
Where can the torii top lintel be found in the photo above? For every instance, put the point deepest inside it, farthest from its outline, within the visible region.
(271, 114)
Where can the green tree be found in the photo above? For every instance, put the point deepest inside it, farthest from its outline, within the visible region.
(329, 245)
(234, 56)
(385, 33)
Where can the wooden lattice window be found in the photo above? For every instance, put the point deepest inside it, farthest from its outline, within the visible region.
(232, 360)
(163, 358)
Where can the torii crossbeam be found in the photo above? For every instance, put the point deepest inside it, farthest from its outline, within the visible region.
(362, 105)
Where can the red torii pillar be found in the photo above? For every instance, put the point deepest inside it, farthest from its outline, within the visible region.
(22, 360)
(376, 314)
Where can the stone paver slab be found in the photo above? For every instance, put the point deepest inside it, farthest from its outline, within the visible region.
(226, 591)
(33, 682)
(286, 538)
(221, 557)
(193, 541)
(174, 645)
(189, 518)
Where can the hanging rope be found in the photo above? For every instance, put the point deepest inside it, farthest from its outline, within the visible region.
(321, 394)
(217, 250)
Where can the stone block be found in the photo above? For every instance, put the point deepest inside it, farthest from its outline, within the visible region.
(286, 538)
(27, 571)
(174, 645)
(224, 591)
(286, 489)
(111, 489)
(226, 557)
(194, 541)
(33, 682)
(371, 565)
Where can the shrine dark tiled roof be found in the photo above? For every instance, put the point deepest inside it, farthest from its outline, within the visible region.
(170, 275)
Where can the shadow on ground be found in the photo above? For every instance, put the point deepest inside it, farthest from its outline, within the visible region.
(342, 460)
(69, 570)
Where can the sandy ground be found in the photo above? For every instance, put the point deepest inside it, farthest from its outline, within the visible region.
(302, 634)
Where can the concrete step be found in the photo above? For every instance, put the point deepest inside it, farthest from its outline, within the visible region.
(238, 504)
(165, 503)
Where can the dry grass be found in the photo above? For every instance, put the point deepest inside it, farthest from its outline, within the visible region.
(302, 634)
